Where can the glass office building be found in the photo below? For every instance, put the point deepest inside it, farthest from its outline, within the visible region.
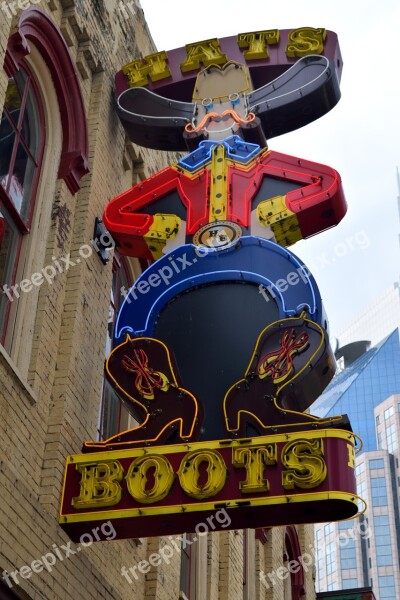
(365, 551)
(360, 387)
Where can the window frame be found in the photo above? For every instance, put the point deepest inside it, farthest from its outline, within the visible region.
(378, 499)
(293, 552)
(186, 565)
(373, 462)
(23, 226)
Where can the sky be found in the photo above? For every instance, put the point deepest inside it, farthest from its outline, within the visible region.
(357, 260)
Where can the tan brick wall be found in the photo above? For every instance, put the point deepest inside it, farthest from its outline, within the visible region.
(5, 27)
(306, 537)
(213, 558)
(48, 418)
(271, 578)
(49, 408)
(230, 564)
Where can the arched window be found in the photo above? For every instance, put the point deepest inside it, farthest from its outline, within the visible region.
(22, 139)
(43, 97)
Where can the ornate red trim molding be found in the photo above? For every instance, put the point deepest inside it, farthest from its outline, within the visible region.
(262, 534)
(37, 26)
(293, 552)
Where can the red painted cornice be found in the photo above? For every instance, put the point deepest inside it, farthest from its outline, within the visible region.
(262, 534)
(295, 553)
(36, 26)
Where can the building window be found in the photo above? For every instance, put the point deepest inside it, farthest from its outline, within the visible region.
(376, 463)
(378, 491)
(330, 558)
(388, 412)
(348, 584)
(384, 559)
(186, 565)
(348, 556)
(21, 152)
(382, 541)
(113, 415)
(361, 491)
(360, 469)
(329, 528)
(377, 419)
(386, 587)
(379, 441)
(319, 567)
(391, 438)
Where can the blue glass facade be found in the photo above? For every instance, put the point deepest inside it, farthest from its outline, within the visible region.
(359, 388)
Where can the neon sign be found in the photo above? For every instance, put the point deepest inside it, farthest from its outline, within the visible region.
(171, 488)
(221, 345)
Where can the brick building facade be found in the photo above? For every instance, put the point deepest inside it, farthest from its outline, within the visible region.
(63, 155)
